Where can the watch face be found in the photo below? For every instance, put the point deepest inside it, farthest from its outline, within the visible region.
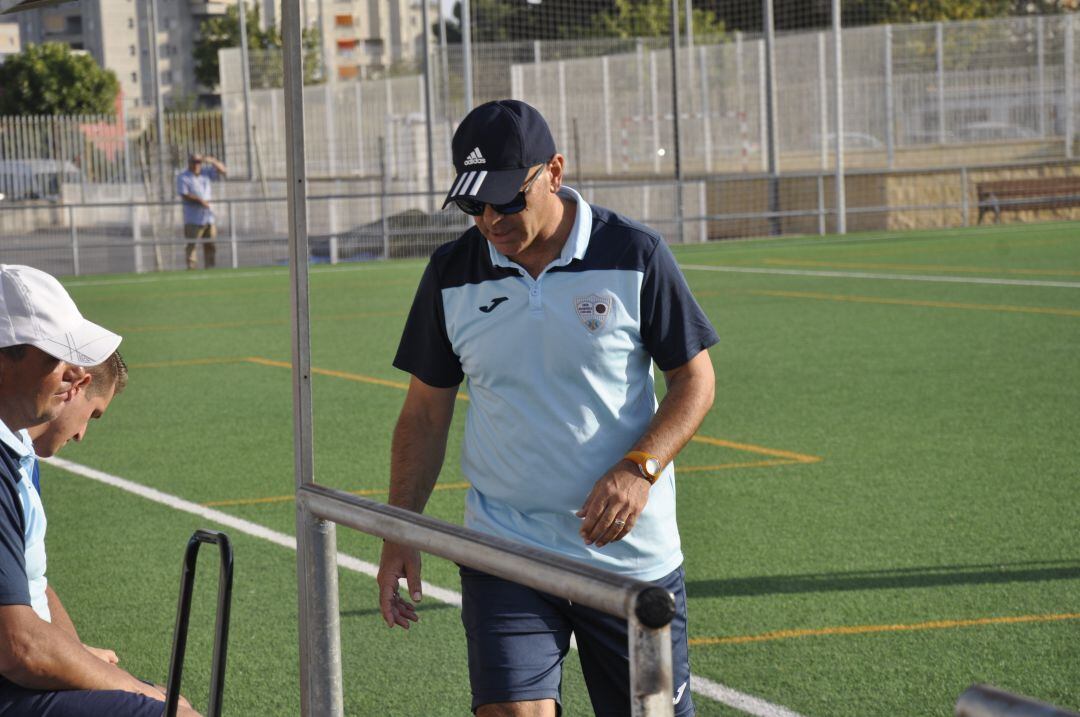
(652, 467)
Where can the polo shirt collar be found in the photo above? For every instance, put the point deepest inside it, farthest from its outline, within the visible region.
(19, 444)
(576, 244)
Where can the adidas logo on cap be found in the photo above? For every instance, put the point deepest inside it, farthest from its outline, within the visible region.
(475, 157)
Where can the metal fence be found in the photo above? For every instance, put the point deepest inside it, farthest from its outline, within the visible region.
(930, 111)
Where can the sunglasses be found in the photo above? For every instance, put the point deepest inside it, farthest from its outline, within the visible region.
(475, 208)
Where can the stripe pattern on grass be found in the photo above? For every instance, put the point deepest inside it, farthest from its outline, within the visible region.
(887, 277)
(699, 685)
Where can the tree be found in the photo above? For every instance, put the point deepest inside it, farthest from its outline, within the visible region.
(49, 79)
(265, 46)
(651, 18)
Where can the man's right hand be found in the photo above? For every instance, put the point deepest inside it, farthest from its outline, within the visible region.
(397, 562)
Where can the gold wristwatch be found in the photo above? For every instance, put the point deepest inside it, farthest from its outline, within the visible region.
(648, 464)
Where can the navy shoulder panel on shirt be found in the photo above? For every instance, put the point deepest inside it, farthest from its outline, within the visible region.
(616, 243)
(14, 587)
(466, 261)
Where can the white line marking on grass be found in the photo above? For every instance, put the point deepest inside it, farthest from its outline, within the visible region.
(232, 275)
(895, 277)
(700, 685)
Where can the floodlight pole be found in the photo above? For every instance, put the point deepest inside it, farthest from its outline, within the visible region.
(676, 149)
(316, 544)
(429, 113)
(466, 54)
(245, 75)
(838, 90)
(772, 135)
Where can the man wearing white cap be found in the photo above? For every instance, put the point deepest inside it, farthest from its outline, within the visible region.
(45, 348)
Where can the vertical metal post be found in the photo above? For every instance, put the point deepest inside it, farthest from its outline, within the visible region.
(655, 105)
(890, 102)
(1040, 60)
(650, 670)
(466, 54)
(606, 78)
(823, 101)
(159, 101)
(706, 109)
(316, 549)
(821, 205)
(739, 89)
(245, 77)
(74, 240)
(772, 131)
(1070, 89)
(763, 107)
(383, 208)
(359, 127)
(703, 208)
(232, 235)
(330, 125)
(838, 91)
(564, 125)
(429, 112)
(444, 65)
(939, 53)
(676, 126)
(965, 202)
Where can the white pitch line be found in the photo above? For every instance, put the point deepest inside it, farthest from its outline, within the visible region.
(699, 685)
(895, 277)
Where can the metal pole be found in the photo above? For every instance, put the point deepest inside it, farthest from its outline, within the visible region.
(1070, 99)
(655, 104)
(890, 103)
(838, 91)
(706, 109)
(429, 113)
(772, 137)
(1040, 50)
(939, 45)
(466, 54)
(987, 701)
(823, 101)
(316, 549)
(443, 65)
(651, 674)
(964, 201)
(245, 75)
(74, 240)
(232, 234)
(675, 125)
(606, 76)
(159, 102)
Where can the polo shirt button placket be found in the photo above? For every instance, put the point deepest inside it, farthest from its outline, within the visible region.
(534, 297)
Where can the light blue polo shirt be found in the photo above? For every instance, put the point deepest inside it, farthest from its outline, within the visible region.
(34, 515)
(198, 185)
(560, 379)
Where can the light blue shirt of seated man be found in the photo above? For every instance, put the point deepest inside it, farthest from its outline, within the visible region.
(34, 517)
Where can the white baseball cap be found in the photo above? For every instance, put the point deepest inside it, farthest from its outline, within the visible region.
(35, 309)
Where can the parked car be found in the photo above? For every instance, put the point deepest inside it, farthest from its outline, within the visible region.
(990, 131)
(36, 178)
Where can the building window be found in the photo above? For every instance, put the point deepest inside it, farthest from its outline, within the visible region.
(131, 22)
(132, 49)
(134, 77)
(166, 77)
(343, 20)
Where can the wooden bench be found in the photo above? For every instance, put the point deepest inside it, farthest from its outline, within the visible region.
(1019, 195)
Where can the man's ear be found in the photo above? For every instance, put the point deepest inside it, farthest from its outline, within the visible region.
(79, 377)
(556, 168)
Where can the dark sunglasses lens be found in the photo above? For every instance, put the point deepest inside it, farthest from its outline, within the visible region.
(514, 206)
(470, 206)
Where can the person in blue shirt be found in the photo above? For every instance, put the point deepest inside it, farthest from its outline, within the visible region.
(553, 311)
(193, 188)
(46, 347)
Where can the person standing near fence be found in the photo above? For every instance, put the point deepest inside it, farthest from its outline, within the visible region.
(554, 310)
(193, 188)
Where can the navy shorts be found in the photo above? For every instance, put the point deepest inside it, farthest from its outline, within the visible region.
(518, 638)
(17, 701)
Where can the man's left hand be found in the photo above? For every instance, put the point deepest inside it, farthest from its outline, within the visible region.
(613, 505)
(103, 654)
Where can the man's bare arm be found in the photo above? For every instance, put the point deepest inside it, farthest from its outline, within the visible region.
(38, 655)
(416, 457)
(60, 617)
(617, 499)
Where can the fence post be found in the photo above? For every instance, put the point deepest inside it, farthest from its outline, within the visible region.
(823, 98)
(383, 223)
(564, 126)
(821, 205)
(890, 103)
(1070, 100)
(606, 75)
(939, 47)
(1040, 50)
(706, 108)
(74, 240)
(650, 657)
(964, 202)
(655, 104)
(232, 234)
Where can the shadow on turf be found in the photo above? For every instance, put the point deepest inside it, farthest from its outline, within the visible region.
(900, 578)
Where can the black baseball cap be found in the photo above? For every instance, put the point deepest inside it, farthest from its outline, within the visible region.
(493, 149)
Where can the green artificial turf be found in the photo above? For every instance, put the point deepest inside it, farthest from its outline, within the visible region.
(934, 479)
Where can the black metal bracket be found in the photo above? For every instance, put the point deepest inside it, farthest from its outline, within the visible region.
(183, 614)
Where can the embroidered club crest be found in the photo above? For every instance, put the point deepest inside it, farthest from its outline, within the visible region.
(593, 310)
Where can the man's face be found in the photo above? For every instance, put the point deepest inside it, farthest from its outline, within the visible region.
(72, 422)
(33, 389)
(195, 167)
(513, 234)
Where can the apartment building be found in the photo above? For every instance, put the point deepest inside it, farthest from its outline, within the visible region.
(117, 34)
(9, 37)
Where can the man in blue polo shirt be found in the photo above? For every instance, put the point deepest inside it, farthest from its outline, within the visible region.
(193, 188)
(553, 311)
(45, 347)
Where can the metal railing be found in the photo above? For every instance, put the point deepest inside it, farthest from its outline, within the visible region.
(988, 701)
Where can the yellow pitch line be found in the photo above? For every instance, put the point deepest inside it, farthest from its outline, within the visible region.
(867, 629)
(730, 466)
(192, 362)
(776, 452)
(344, 374)
(922, 267)
(287, 498)
(1054, 311)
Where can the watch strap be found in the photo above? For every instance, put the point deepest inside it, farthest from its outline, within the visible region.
(640, 458)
